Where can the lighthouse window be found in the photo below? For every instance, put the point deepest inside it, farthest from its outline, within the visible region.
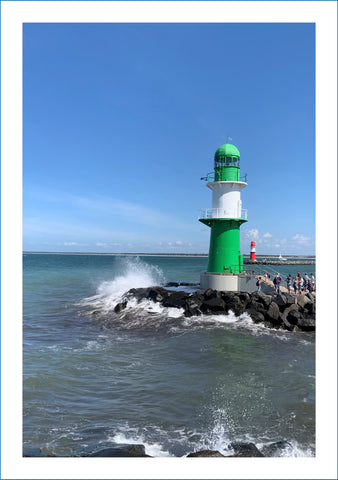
(228, 160)
(235, 162)
(220, 162)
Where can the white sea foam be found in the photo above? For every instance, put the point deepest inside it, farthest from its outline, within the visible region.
(152, 449)
(136, 274)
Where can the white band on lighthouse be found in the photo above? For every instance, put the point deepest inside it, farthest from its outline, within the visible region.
(226, 199)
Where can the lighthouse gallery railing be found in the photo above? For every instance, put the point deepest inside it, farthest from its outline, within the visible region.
(222, 213)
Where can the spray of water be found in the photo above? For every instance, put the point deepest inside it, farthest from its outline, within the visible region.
(130, 273)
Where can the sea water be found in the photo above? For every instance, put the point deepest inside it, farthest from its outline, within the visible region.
(93, 377)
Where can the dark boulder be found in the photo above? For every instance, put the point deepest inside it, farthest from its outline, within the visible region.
(276, 449)
(233, 302)
(290, 299)
(311, 297)
(193, 306)
(310, 308)
(244, 297)
(273, 313)
(210, 293)
(138, 293)
(175, 299)
(294, 317)
(262, 298)
(157, 294)
(206, 453)
(121, 450)
(257, 317)
(120, 306)
(302, 300)
(288, 311)
(280, 299)
(172, 284)
(242, 449)
(256, 306)
(307, 324)
(213, 305)
(286, 325)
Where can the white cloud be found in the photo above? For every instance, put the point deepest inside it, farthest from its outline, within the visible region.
(267, 235)
(253, 234)
(112, 207)
(101, 244)
(71, 243)
(302, 239)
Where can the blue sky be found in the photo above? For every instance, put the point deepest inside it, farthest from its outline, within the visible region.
(122, 120)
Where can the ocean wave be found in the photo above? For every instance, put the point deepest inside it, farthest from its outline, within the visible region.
(134, 273)
(159, 442)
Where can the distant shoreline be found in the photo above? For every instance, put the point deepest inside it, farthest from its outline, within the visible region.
(312, 257)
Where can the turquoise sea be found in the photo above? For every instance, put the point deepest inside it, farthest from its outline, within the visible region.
(148, 374)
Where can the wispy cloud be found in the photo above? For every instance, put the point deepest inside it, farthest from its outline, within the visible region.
(252, 234)
(302, 239)
(114, 208)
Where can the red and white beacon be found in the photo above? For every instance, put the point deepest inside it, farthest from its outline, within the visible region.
(253, 251)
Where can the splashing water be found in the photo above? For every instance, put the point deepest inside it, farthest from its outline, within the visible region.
(134, 274)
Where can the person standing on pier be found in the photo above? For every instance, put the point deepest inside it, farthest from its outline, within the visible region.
(277, 281)
(313, 282)
(288, 283)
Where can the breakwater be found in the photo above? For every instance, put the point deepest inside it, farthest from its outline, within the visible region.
(279, 262)
(280, 311)
(234, 449)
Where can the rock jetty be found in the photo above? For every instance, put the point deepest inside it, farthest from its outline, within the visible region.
(280, 311)
(235, 449)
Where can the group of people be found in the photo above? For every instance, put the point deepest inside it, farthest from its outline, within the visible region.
(299, 283)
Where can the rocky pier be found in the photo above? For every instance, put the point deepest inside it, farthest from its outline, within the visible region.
(234, 449)
(280, 311)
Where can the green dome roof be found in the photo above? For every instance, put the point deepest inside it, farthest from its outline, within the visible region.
(227, 150)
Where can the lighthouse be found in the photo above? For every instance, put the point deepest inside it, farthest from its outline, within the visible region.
(225, 262)
(253, 251)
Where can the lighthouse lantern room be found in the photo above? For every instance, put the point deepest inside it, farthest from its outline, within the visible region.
(225, 261)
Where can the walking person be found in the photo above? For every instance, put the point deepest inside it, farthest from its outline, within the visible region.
(278, 282)
(295, 285)
(259, 284)
(309, 286)
(300, 284)
(288, 283)
(313, 282)
(275, 282)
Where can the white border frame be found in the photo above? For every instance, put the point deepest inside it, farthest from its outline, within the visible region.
(13, 15)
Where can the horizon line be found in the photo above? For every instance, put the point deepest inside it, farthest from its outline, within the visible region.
(151, 254)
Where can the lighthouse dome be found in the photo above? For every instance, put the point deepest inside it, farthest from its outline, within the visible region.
(226, 150)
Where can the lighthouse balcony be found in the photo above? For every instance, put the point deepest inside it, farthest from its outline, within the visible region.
(223, 213)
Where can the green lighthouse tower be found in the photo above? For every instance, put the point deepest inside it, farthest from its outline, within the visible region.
(224, 218)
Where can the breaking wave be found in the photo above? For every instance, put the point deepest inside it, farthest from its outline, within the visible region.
(133, 273)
